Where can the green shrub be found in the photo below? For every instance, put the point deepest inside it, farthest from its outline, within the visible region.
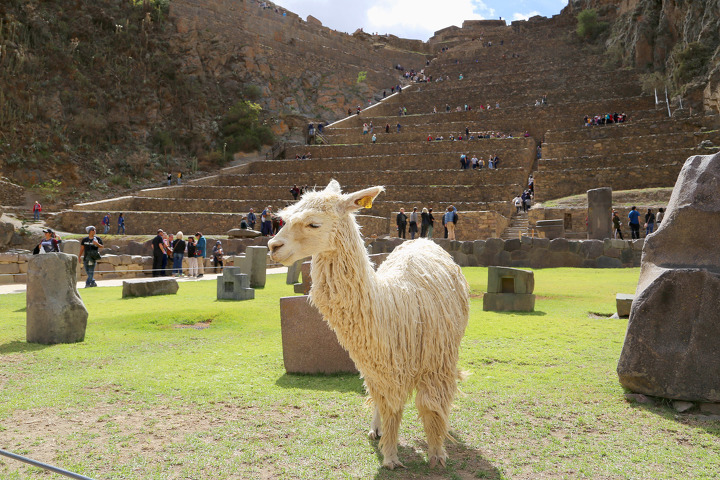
(589, 28)
(242, 129)
(692, 62)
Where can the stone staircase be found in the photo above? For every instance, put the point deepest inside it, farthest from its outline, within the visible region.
(519, 224)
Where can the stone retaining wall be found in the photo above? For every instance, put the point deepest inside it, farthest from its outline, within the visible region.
(535, 252)
(11, 194)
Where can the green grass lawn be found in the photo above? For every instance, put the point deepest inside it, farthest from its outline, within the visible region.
(142, 398)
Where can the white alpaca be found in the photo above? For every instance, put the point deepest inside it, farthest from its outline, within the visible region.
(401, 325)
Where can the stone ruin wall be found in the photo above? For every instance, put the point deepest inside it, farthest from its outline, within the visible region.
(11, 194)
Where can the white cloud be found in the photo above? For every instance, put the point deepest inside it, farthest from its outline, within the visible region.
(525, 16)
(425, 16)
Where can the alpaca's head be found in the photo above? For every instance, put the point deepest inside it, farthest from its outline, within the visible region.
(311, 224)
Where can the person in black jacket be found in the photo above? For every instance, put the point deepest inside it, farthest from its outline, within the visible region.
(401, 221)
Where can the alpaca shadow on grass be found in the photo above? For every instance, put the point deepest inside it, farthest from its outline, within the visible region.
(21, 347)
(463, 462)
(344, 382)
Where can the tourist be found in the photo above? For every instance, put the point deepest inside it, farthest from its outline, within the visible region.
(365, 128)
(295, 191)
(413, 223)
(89, 254)
(616, 225)
(200, 253)
(474, 162)
(266, 221)
(634, 223)
(178, 249)
(398, 127)
(158, 251)
(659, 217)
(243, 223)
(401, 221)
(387, 128)
(167, 240)
(527, 203)
(169, 178)
(463, 161)
(50, 243)
(649, 222)
(179, 178)
(37, 208)
(105, 222)
(518, 202)
(374, 138)
(424, 222)
(192, 259)
(217, 253)
(449, 220)
(431, 226)
(121, 224)
(251, 219)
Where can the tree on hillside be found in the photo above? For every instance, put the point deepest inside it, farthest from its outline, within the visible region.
(242, 128)
(588, 27)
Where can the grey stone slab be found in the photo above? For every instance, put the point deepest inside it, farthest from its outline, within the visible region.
(55, 313)
(234, 285)
(507, 302)
(599, 217)
(558, 245)
(147, 287)
(309, 345)
(510, 280)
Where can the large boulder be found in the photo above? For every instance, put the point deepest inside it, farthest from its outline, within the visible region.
(55, 312)
(243, 233)
(670, 347)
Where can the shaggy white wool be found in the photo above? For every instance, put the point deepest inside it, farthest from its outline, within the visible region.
(401, 325)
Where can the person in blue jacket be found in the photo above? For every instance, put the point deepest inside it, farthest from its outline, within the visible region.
(200, 253)
(634, 222)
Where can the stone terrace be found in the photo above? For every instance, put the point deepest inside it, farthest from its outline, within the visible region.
(647, 151)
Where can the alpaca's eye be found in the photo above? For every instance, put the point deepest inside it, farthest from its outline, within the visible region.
(314, 225)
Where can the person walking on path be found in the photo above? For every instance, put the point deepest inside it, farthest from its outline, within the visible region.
(89, 254)
(431, 219)
(649, 222)
(179, 178)
(401, 221)
(178, 248)
(192, 259)
(424, 222)
(169, 178)
(158, 251)
(634, 223)
(37, 208)
(121, 224)
(616, 225)
(200, 253)
(106, 223)
(266, 220)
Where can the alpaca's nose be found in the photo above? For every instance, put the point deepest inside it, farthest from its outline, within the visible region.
(274, 245)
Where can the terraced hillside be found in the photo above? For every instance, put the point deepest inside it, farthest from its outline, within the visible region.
(509, 69)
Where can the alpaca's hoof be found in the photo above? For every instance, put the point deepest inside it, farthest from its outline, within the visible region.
(434, 460)
(374, 434)
(391, 463)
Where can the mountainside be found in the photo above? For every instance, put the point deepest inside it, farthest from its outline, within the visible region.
(103, 95)
(678, 39)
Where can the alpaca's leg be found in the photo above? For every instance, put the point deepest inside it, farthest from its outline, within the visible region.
(376, 425)
(433, 406)
(391, 418)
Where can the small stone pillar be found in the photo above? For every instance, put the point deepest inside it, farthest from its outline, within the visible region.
(254, 264)
(233, 285)
(55, 312)
(509, 289)
(599, 213)
(293, 273)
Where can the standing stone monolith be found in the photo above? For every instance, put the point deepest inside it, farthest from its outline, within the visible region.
(670, 348)
(55, 312)
(254, 264)
(599, 213)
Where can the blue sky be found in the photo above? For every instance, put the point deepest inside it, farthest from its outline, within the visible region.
(415, 18)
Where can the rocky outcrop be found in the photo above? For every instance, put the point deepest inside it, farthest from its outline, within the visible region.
(55, 311)
(670, 346)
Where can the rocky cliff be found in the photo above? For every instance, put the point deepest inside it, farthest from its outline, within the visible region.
(680, 39)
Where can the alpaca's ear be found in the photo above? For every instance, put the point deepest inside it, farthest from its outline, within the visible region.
(333, 187)
(361, 199)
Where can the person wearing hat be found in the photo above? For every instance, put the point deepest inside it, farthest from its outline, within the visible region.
(217, 252)
(50, 243)
(90, 254)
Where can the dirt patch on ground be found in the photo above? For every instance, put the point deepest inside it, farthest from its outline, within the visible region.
(196, 326)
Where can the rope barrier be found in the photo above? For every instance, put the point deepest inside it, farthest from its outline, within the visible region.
(44, 466)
